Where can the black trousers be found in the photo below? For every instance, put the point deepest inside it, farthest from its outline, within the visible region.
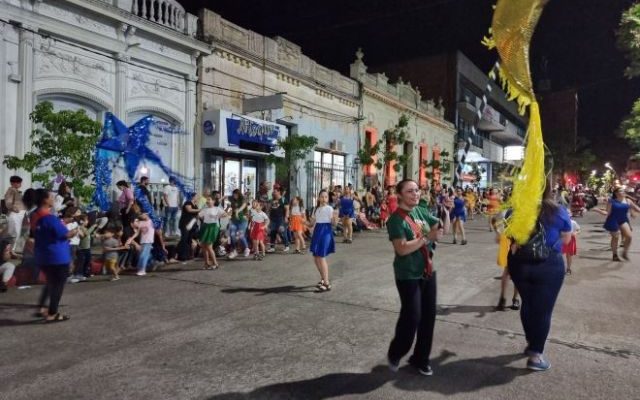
(417, 314)
(56, 279)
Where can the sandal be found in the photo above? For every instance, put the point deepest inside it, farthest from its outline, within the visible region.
(319, 284)
(57, 318)
(568, 271)
(616, 258)
(625, 256)
(464, 241)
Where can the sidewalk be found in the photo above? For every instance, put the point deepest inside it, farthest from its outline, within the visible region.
(257, 330)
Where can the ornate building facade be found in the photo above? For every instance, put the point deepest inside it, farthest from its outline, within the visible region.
(130, 57)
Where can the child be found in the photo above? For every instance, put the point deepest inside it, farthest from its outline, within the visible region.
(504, 244)
(110, 247)
(70, 215)
(83, 265)
(259, 223)
(322, 243)
(210, 231)
(147, 233)
(347, 214)
(384, 213)
(571, 249)
(296, 223)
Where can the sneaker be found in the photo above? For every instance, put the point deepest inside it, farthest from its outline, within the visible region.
(271, 250)
(539, 365)
(232, 255)
(394, 366)
(80, 278)
(286, 249)
(426, 371)
(247, 253)
(141, 273)
(115, 278)
(515, 305)
(71, 279)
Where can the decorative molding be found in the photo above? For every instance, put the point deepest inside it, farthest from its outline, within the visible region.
(233, 58)
(76, 19)
(144, 85)
(291, 80)
(50, 92)
(56, 63)
(177, 119)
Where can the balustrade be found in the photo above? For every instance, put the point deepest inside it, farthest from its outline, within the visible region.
(168, 13)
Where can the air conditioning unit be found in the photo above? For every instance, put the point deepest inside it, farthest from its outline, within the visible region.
(336, 145)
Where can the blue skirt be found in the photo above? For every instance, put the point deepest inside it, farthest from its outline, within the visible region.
(612, 225)
(459, 214)
(322, 243)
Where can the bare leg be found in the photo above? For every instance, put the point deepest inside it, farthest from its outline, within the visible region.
(569, 260)
(256, 247)
(324, 269)
(626, 239)
(461, 228)
(614, 244)
(212, 254)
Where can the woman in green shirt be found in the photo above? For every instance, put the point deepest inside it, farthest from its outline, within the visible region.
(412, 230)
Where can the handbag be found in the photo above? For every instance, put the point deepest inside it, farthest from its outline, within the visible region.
(535, 250)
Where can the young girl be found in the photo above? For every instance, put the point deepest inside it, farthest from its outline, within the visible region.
(209, 232)
(384, 213)
(458, 216)
(504, 244)
(347, 214)
(258, 233)
(571, 249)
(322, 243)
(296, 223)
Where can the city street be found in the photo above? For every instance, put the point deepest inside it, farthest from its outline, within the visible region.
(258, 330)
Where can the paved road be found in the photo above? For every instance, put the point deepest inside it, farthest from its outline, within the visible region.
(258, 331)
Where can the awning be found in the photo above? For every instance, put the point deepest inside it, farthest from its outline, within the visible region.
(475, 157)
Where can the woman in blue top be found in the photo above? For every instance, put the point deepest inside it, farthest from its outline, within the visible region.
(539, 283)
(618, 221)
(52, 253)
(459, 216)
(347, 214)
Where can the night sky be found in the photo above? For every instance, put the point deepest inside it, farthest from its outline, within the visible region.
(576, 36)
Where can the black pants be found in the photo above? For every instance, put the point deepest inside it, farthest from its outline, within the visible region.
(56, 279)
(83, 263)
(417, 313)
(539, 286)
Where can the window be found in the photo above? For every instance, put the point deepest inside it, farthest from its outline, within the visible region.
(333, 168)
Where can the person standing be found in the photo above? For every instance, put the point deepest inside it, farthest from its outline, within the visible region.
(210, 231)
(13, 202)
(188, 228)
(279, 217)
(539, 281)
(618, 221)
(459, 217)
(171, 197)
(52, 254)
(297, 223)
(347, 214)
(147, 233)
(257, 234)
(322, 242)
(412, 231)
(238, 224)
(144, 189)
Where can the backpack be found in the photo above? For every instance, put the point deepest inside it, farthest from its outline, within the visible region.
(535, 251)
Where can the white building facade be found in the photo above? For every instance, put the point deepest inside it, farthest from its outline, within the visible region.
(130, 57)
(309, 100)
(382, 105)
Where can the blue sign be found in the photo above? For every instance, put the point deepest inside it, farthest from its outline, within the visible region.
(251, 132)
(209, 128)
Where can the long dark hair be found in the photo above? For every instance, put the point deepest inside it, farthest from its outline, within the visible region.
(41, 196)
(549, 207)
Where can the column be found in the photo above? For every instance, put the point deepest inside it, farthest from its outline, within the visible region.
(120, 104)
(25, 96)
(187, 144)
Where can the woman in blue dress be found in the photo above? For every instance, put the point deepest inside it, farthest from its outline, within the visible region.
(617, 221)
(322, 243)
(459, 216)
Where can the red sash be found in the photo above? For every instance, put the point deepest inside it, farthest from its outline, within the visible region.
(417, 234)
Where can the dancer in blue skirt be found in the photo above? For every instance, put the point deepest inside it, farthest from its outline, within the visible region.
(459, 216)
(322, 243)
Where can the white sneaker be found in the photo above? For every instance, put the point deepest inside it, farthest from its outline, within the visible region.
(247, 252)
(286, 249)
(271, 250)
(233, 255)
(72, 280)
(141, 273)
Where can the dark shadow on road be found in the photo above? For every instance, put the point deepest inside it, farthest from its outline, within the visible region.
(450, 378)
(12, 322)
(481, 311)
(273, 290)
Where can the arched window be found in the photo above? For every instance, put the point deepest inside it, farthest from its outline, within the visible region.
(70, 102)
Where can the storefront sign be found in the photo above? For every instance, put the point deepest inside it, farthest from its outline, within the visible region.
(246, 130)
(209, 128)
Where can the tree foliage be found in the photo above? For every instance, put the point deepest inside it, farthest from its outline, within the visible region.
(629, 38)
(579, 161)
(63, 143)
(296, 148)
(439, 171)
(383, 154)
(630, 127)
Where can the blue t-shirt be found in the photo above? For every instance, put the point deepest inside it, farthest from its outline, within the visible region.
(51, 243)
(346, 206)
(554, 226)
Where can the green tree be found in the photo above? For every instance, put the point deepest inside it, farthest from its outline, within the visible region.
(629, 43)
(439, 171)
(63, 143)
(296, 148)
(383, 154)
(579, 161)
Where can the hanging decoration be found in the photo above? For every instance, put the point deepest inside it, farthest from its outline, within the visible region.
(514, 22)
(129, 144)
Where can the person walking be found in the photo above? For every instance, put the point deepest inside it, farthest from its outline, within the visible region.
(279, 217)
(52, 254)
(297, 222)
(171, 197)
(16, 211)
(617, 221)
(238, 224)
(347, 214)
(459, 217)
(412, 231)
(257, 234)
(188, 229)
(147, 232)
(539, 280)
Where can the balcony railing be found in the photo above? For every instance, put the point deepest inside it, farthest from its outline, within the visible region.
(164, 12)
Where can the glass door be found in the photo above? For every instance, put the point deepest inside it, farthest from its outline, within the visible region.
(249, 178)
(232, 177)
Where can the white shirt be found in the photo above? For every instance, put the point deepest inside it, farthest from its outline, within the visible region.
(323, 215)
(297, 210)
(574, 227)
(259, 217)
(172, 194)
(211, 215)
(74, 241)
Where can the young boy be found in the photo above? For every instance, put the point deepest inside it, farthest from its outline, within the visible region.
(83, 263)
(70, 215)
(110, 248)
(147, 233)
